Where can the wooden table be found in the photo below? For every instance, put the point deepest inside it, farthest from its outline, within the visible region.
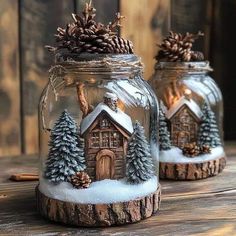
(205, 207)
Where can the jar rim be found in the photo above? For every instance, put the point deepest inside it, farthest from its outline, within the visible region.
(88, 62)
(192, 66)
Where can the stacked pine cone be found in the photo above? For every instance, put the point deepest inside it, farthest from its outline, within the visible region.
(85, 35)
(178, 47)
(80, 180)
(191, 150)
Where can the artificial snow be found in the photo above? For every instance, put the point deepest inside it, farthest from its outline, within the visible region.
(192, 105)
(175, 155)
(119, 117)
(104, 191)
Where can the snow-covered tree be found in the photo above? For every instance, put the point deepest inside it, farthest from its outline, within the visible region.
(66, 153)
(164, 134)
(208, 133)
(139, 162)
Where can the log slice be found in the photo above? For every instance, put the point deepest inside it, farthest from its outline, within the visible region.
(192, 171)
(93, 215)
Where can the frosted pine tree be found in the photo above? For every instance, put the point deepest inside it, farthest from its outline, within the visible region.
(139, 166)
(208, 132)
(66, 154)
(164, 135)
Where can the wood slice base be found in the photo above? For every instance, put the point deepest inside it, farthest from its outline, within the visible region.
(191, 171)
(92, 215)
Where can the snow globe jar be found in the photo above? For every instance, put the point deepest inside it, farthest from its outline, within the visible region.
(98, 134)
(191, 112)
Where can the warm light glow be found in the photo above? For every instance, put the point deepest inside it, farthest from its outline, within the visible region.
(121, 105)
(92, 80)
(187, 92)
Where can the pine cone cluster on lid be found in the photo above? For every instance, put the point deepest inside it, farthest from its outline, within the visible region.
(85, 35)
(178, 47)
(191, 150)
(80, 180)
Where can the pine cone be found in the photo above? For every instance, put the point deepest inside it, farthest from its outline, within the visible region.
(80, 180)
(197, 56)
(191, 150)
(88, 36)
(178, 47)
(205, 149)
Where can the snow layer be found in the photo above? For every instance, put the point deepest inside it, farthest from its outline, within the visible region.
(192, 105)
(104, 191)
(175, 155)
(119, 117)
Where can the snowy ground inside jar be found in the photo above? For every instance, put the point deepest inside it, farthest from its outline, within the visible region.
(175, 155)
(104, 191)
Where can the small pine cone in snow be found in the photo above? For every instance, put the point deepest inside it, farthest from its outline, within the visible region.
(80, 180)
(178, 47)
(197, 56)
(205, 149)
(191, 150)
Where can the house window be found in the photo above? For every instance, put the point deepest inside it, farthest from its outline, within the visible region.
(115, 140)
(95, 139)
(105, 139)
(104, 123)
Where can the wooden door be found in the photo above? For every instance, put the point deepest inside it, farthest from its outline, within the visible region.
(105, 165)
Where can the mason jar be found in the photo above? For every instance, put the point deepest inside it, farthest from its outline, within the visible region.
(191, 116)
(98, 141)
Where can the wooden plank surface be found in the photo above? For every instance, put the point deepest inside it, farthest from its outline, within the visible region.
(10, 141)
(145, 23)
(38, 23)
(205, 207)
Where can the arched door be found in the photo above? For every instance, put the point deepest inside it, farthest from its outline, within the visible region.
(105, 164)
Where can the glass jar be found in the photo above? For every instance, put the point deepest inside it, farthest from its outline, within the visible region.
(191, 115)
(98, 138)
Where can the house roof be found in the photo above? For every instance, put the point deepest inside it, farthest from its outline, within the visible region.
(192, 105)
(119, 117)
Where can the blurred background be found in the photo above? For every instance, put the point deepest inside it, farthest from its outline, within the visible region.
(26, 26)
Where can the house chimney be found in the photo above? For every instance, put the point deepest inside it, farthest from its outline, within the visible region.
(111, 100)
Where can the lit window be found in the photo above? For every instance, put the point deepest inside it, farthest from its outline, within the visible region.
(115, 139)
(95, 139)
(104, 123)
(105, 139)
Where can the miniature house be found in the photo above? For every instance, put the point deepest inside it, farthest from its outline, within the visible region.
(184, 117)
(106, 131)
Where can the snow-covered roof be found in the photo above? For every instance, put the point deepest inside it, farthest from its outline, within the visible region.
(119, 117)
(110, 95)
(193, 106)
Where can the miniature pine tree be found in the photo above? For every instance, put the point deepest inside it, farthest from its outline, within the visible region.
(139, 166)
(66, 155)
(164, 135)
(208, 132)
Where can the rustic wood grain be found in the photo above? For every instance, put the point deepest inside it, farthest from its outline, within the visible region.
(222, 50)
(192, 171)
(145, 23)
(38, 22)
(106, 9)
(205, 207)
(10, 140)
(192, 16)
(93, 215)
